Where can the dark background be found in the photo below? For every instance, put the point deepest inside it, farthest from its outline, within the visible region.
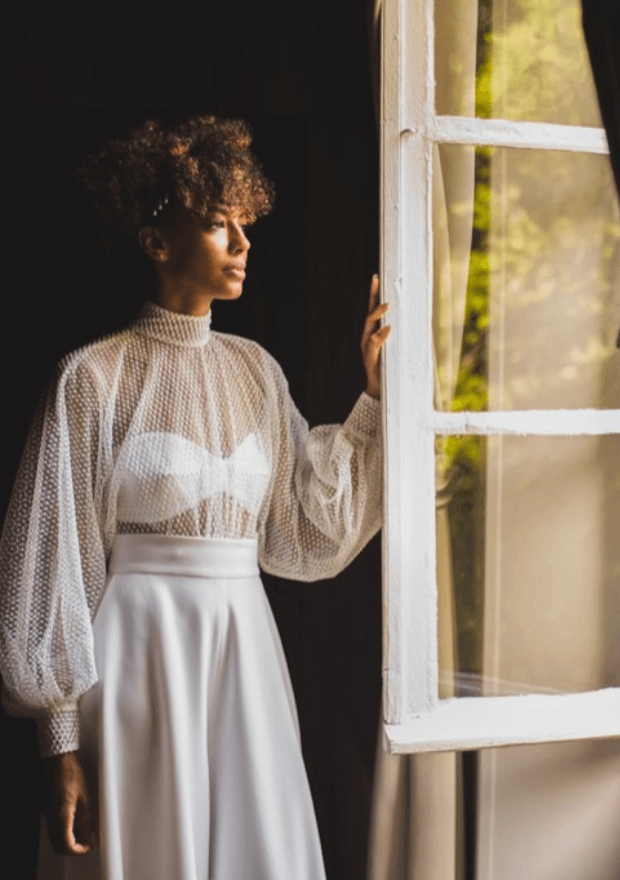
(301, 76)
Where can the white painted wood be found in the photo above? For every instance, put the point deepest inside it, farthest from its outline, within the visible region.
(506, 133)
(485, 722)
(410, 638)
(555, 422)
(417, 467)
(394, 594)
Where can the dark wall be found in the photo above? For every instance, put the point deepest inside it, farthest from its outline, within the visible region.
(66, 83)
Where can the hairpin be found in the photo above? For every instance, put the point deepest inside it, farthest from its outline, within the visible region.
(160, 206)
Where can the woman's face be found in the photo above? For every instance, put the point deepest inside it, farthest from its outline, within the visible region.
(209, 259)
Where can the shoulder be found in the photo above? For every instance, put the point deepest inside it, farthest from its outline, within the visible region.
(243, 346)
(93, 365)
(253, 355)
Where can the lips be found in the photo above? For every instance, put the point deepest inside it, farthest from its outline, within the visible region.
(237, 272)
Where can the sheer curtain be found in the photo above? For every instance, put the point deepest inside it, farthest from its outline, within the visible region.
(416, 831)
(551, 594)
(601, 24)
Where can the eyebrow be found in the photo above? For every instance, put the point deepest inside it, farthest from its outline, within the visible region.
(220, 209)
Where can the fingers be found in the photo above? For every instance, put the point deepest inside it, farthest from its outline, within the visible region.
(373, 338)
(374, 299)
(379, 336)
(372, 350)
(376, 310)
(71, 830)
(75, 835)
(83, 827)
(374, 292)
(371, 330)
(68, 809)
(60, 829)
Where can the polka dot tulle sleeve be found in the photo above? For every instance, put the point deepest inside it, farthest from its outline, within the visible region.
(325, 495)
(52, 563)
(166, 428)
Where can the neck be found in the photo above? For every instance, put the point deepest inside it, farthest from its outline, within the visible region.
(178, 298)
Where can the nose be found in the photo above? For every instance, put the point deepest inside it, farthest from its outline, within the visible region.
(239, 241)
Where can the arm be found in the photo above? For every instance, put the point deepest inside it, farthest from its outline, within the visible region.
(324, 503)
(52, 567)
(52, 564)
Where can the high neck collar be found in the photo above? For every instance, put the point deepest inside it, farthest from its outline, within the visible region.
(172, 327)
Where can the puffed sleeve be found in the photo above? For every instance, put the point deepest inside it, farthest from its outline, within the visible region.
(52, 563)
(324, 502)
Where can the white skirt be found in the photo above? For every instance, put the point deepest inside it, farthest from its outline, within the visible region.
(190, 737)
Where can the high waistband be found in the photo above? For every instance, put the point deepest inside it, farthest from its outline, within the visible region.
(193, 557)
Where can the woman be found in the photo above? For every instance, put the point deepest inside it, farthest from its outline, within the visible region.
(164, 465)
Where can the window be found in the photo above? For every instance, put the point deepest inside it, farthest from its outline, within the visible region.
(534, 424)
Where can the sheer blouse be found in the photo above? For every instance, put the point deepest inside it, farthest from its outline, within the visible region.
(168, 428)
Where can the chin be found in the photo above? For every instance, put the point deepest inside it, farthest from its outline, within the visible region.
(231, 293)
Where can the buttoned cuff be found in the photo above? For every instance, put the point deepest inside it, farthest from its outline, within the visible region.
(58, 730)
(365, 417)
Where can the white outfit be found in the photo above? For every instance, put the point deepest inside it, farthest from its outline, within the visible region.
(164, 465)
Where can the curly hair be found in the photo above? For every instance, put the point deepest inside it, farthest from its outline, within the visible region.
(201, 163)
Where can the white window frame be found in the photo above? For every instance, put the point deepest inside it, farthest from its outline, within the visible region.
(415, 719)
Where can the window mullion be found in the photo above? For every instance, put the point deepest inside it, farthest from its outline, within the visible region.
(554, 422)
(506, 133)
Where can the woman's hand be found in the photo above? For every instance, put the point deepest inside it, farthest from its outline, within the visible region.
(67, 809)
(373, 338)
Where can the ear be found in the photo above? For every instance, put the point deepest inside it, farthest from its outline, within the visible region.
(154, 244)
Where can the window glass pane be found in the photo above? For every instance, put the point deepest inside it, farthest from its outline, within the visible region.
(528, 563)
(523, 60)
(527, 305)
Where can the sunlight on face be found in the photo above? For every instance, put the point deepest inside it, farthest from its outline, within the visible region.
(208, 260)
